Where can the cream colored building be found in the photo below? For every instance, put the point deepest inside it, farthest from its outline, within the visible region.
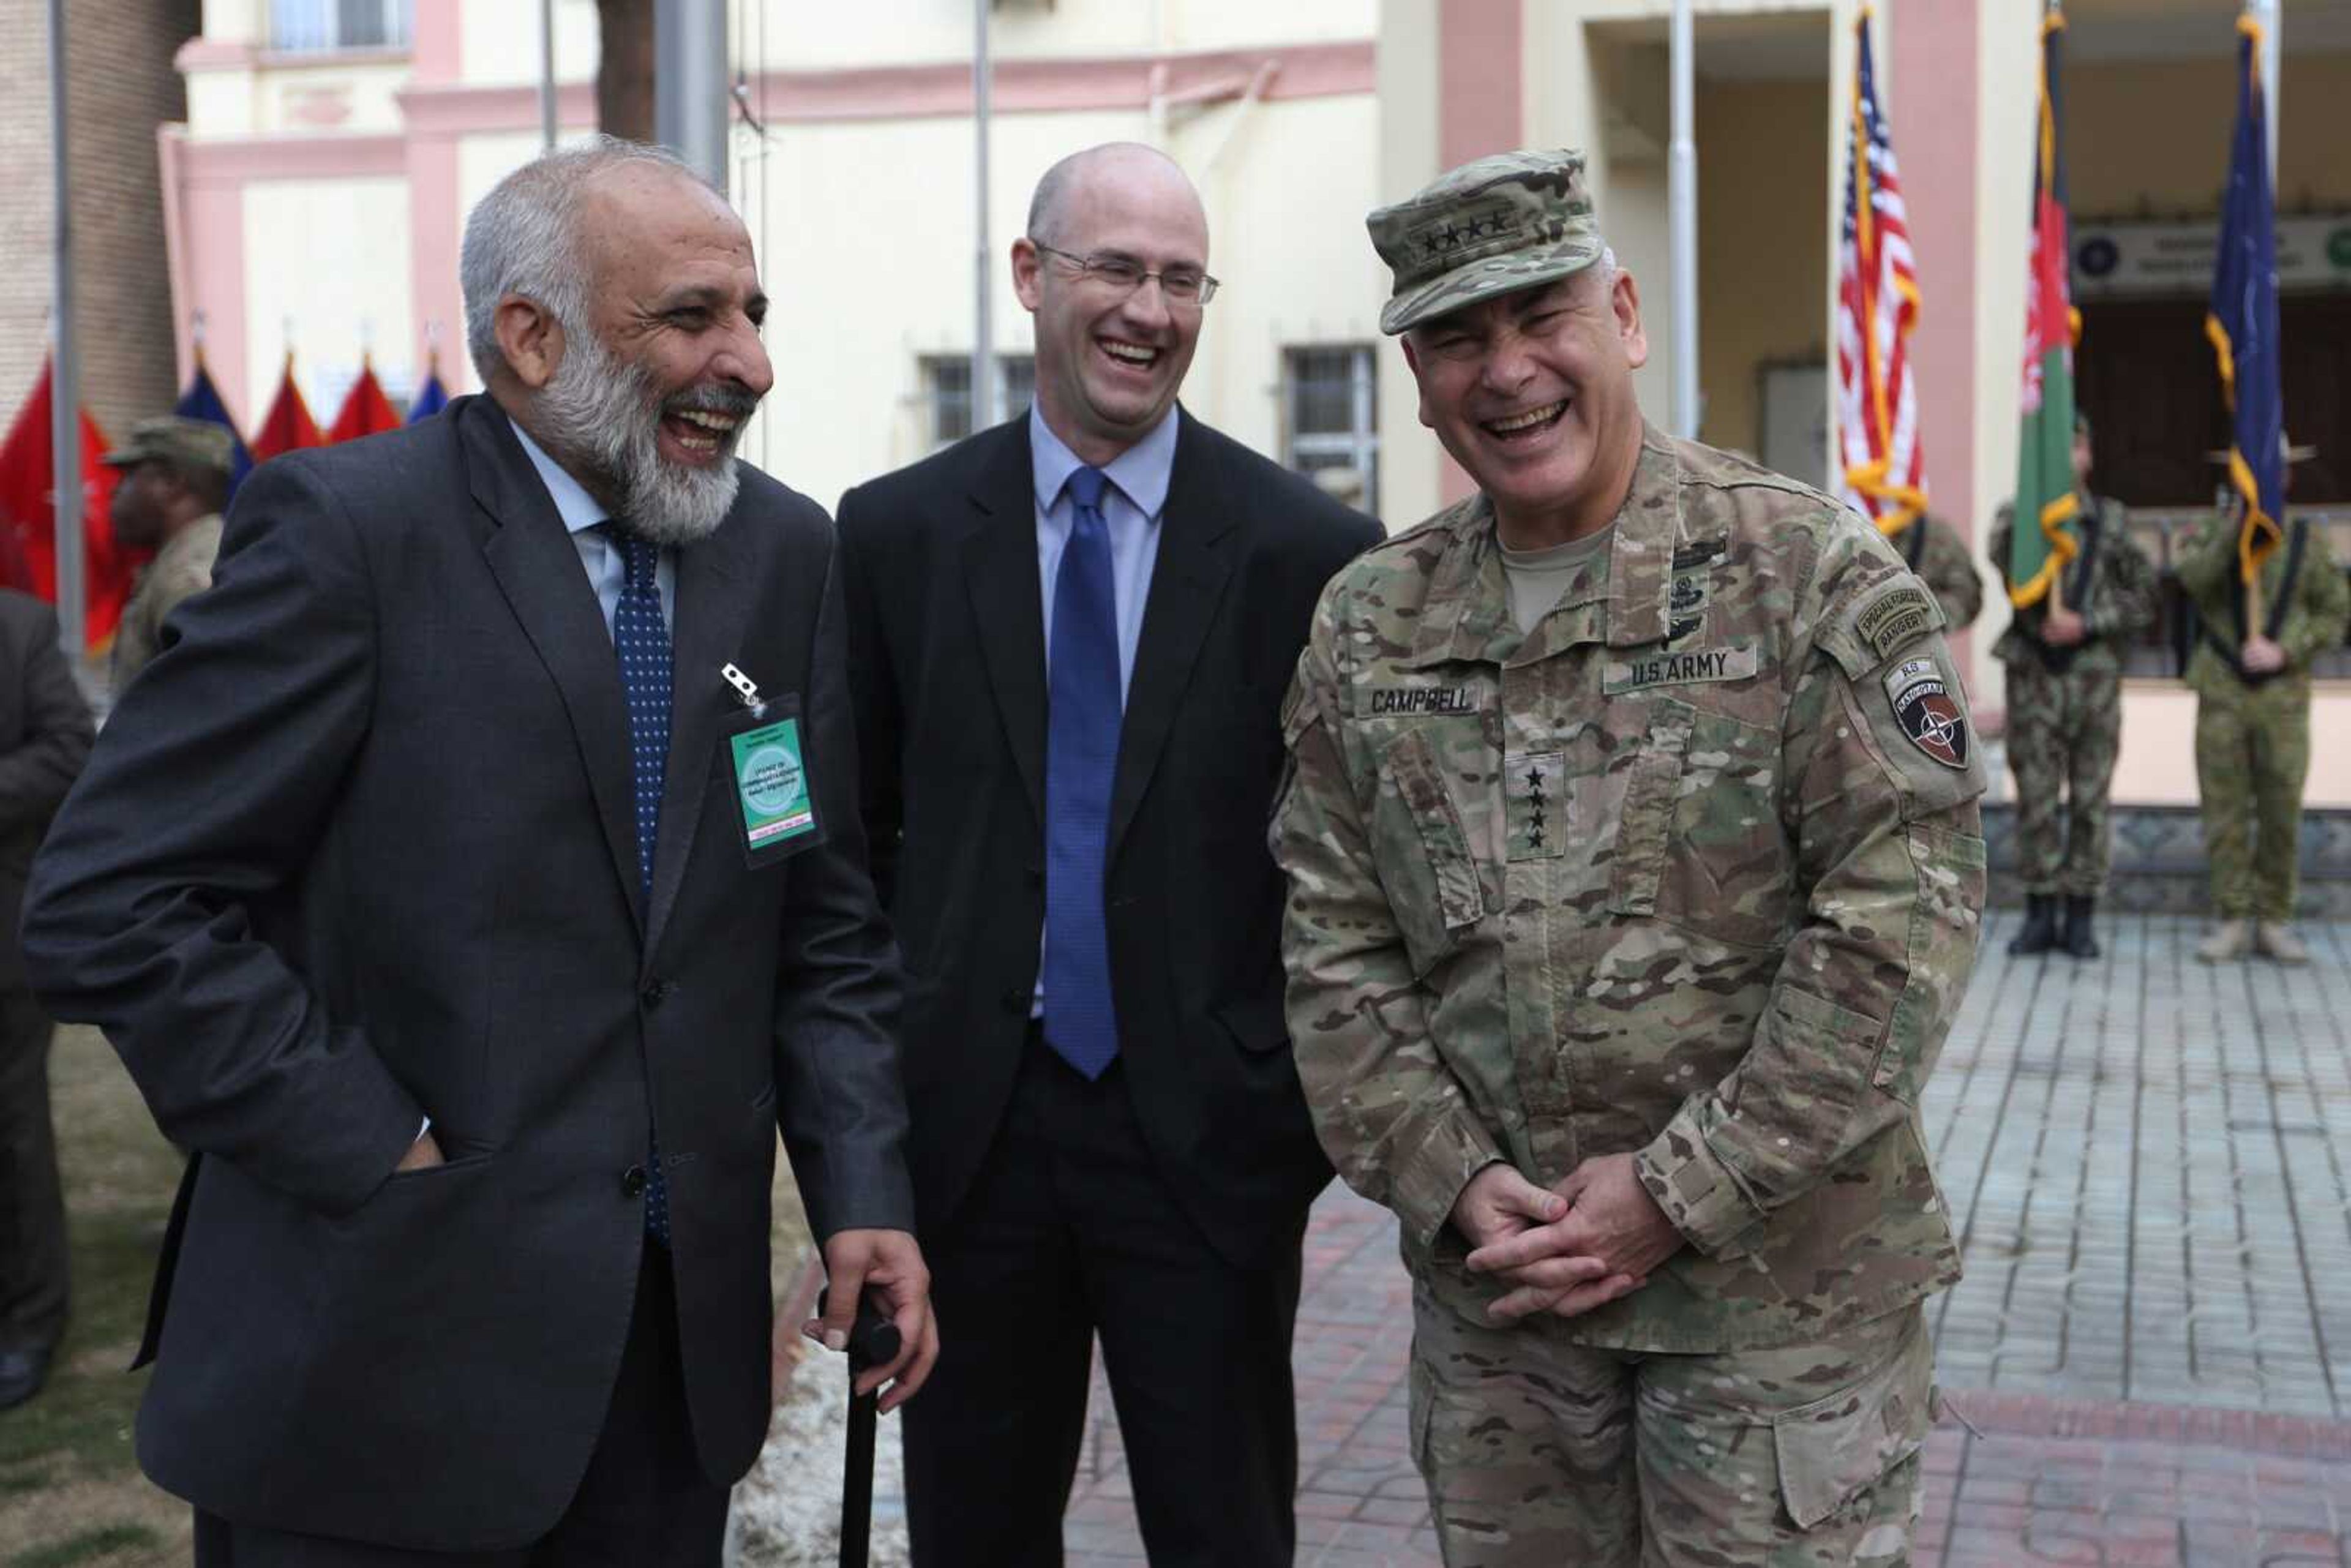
(316, 198)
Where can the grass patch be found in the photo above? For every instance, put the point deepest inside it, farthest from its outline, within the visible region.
(70, 1492)
(88, 1547)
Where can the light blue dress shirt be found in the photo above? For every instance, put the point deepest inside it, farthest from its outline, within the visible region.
(1132, 503)
(608, 570)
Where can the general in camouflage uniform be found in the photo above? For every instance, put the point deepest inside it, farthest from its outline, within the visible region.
(2252, 721)
(2066, 713)
(1933, 549)
(1636, 875)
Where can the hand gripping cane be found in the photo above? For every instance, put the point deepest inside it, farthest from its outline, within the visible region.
(873, 1341)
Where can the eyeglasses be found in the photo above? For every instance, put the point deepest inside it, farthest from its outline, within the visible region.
(1125, 274)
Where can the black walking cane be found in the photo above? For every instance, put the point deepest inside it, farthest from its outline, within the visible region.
(873, 1341)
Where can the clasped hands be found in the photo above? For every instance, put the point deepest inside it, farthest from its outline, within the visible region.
(2261, 656)
(1565, 1249)
(2063, 629)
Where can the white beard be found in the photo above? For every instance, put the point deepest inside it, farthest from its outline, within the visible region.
(603, 417)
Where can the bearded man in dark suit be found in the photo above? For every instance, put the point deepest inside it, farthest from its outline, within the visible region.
(475, 884)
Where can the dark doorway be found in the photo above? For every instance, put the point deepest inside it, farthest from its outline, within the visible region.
(2144, 373)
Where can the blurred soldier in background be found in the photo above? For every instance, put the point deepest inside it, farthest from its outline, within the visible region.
(2252, 719)
(175, 474)
(2065, 713)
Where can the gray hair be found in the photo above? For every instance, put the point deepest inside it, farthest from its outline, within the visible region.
(522, 238)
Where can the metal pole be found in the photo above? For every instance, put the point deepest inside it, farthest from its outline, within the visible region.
(2272, 20)
(546, 74)
(983, 336)
(65, 368)
(1681, 195)
(690, 98)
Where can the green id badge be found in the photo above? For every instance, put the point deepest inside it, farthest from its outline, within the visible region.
(774, 793)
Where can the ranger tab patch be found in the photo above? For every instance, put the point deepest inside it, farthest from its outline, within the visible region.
(1930, 716)
(1899, 618)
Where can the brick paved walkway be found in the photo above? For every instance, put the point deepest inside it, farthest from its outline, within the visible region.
(2147, 1162)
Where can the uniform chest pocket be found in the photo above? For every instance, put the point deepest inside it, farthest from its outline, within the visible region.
(1423, 852)
(1698, 840)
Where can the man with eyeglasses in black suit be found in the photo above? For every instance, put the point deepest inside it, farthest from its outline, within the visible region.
(1069, 641)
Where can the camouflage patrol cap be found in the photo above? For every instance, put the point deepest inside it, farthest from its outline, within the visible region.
(190, 446)
(1514, 221)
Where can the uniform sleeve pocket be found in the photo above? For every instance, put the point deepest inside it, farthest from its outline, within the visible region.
(1424, 852)
(1834, 1449)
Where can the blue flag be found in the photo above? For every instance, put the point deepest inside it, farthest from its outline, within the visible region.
(431, 398)
(203, 401)
(2243, 323)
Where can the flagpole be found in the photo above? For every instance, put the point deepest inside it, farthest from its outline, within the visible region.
(2271, 16)
(1681, 197)
(983, 336)
(65, 370)
(546, 74)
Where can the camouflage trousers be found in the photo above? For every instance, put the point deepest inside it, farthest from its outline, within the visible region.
(1538, 1453)
(2253, 753)
(2064, 734)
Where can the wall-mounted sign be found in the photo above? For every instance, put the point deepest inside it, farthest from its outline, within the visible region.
(2176, 258)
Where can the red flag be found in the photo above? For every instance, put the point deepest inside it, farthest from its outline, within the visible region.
(289, 425)
(29, 540)
(366, 411)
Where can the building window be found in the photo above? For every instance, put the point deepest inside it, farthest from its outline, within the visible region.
(946, 392)
(305, 26)
(1330, 420)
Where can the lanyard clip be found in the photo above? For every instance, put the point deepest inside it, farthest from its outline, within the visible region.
(747, 690)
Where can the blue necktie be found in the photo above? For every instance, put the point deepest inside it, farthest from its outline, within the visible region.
(1082, 716)
(641, 640)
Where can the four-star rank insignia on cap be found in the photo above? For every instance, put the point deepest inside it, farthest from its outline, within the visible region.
(1930, 717)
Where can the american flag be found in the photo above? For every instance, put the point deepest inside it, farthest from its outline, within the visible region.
(1881, 469)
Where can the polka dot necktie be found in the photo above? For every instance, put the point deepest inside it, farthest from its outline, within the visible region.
(1085, 710)
(642, 640)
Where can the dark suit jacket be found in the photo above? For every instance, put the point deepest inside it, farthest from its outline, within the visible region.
(45, 734)
(359, 846)
(947, 667)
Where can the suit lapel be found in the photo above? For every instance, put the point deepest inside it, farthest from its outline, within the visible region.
(714, 602)
(1196, 541)
(1006, 606)
(538, 568)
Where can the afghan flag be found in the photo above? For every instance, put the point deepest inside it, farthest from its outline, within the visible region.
(2243, 323)
(2044, 452)
(365, 410)
(288, 426)
(28, 518)
(202, 400)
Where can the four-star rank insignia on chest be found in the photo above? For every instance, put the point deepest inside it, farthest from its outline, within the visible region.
(1930, 716)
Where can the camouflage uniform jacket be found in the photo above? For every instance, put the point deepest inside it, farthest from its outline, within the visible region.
(2111, 585)
(2312, 621)
(182, 568)
(1933, 549)
(1666, 875)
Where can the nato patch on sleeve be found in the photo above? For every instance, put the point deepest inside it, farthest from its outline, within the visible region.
(1928, 714)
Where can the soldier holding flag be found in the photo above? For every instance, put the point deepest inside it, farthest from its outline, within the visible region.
(2268, 590)
(2251, 679)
